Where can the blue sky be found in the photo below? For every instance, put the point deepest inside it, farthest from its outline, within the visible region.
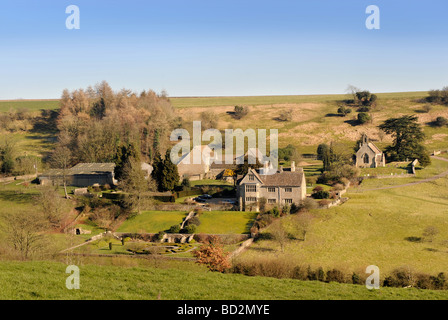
(231, 47)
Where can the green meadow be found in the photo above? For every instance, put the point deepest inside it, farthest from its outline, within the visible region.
(381, 227)
(47, 280)
(152, 221)
(226, 222)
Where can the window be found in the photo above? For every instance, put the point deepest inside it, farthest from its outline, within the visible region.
(288, 200)
(272, 200)
(251, 199)
(288, 189)
(251, 188)
(366, 158)
(251, 177)
(271, 189)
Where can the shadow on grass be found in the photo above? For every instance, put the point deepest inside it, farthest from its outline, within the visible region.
(17, 197)
(261, 249)
(353, 123)
(413, 239)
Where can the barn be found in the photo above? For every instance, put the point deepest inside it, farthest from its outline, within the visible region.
(81, 175)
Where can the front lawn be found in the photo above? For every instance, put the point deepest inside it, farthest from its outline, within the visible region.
(152, 221)
(226, 222)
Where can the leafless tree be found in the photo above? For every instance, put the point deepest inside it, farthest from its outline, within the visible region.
(279, 233)
(25, 232)
(302, 223)
(62, 158)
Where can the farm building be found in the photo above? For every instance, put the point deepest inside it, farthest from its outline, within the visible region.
(81, 175)
(286, 186)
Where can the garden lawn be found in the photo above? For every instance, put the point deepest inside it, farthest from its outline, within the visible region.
(226, 222)
(152, 221)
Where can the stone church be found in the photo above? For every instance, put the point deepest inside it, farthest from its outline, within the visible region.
(369, 155)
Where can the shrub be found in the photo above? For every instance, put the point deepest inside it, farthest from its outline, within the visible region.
(343, 111)
(286, 115)
(320, 274)
(299, 273)
(191, 228)
(240, 112)
(363, 117)
(335, 275)
(285, 210)
(308, 204)
(274, 212)
(321, 194)
(401, 277)
(356, 279)
(294, 208)
(441, 122)
(186, 184)
(324, 202)
(174, 229)
(194, 221)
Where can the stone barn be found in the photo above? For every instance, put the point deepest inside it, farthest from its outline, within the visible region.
(81, 175)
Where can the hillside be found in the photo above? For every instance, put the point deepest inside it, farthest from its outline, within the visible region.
(46, 280)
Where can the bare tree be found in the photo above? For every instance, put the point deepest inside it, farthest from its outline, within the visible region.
(62, 158)
(302, 223)
(279, 234)
(52, 206)
(25, 232)
(136, 185)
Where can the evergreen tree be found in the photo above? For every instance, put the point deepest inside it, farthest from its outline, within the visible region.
(408, 137)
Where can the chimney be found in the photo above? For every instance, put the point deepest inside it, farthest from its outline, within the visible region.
(281, 169)
(265, 169)
(293, 166)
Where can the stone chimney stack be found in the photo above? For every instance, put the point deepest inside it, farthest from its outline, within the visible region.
(280, 169)
(293, 166)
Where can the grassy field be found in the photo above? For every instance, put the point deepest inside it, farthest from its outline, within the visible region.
(311, 113)
(30, 105)
(46, 280)
(152, 221)
(379, 227)
(226, 222)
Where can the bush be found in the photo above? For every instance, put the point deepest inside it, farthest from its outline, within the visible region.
(240, 112)
(274, 212)
(174, 229)
(401, 277)
(335, 275)
(343, 111)
(363, 117)
(286, 115)
(308, 204)
(191, 228)
(441, 122)
(356, 279)
(321, 194)
(324, 202)
(194, 221)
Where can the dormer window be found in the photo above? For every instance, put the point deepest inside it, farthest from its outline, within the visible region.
(251, 177)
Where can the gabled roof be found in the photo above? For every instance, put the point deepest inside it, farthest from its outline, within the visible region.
(374, 148)
(82, 168)
(286, 178)
(86, 168)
